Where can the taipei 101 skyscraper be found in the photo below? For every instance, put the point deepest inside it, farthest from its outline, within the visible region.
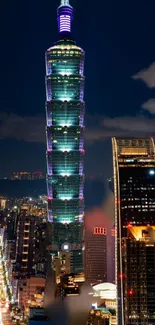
(65, 138)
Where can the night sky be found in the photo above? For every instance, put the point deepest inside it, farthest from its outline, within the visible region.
(118, 37)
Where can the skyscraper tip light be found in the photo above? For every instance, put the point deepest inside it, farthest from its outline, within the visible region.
(64, 2)
(64, 16)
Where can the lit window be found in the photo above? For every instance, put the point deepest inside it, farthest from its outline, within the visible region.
(100, 231)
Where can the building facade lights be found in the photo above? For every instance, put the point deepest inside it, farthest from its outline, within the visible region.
(65, 138)
(134, 189)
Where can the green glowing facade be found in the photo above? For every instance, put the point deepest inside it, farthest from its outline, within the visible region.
(65, 137)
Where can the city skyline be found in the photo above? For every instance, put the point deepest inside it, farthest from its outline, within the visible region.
(111, 92)
(59, 251)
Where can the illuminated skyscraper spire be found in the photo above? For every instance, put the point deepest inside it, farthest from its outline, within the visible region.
(65, 17)
(65, 108)
(64, 2)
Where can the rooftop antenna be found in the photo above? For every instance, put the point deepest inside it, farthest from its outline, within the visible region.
(64, 2)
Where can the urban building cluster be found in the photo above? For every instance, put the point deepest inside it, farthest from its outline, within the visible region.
(27, 175)
(24, 243)
(50, 251)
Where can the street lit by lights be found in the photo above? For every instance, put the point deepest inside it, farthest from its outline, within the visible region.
(4, 301)
(1, 321)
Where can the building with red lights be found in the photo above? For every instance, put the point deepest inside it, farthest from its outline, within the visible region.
(139, 270)
(99, 245)
(96, 255)
(134, 190)
(37, 175)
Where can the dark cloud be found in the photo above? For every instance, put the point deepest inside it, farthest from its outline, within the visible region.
(100, 133)
(149, 106)
(124, 126)
(27, 128)
(129, 124)
(32, 128)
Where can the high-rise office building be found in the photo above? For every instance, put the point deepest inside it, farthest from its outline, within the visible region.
(134, 189)
(139, 270)
(65, 136)
(96, 254)
(99, 252)
(30, 250)
(99, 243)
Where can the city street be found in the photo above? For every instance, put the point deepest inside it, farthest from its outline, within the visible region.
(6, 319)
(4, 301)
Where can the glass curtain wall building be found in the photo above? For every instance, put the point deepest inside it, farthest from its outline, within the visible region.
(134, 190)
(65, 139)
(139, 270)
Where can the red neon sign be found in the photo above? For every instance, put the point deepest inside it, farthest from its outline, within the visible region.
(100, 231)
(113, 232)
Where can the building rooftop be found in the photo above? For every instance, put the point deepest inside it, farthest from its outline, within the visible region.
(105, 290)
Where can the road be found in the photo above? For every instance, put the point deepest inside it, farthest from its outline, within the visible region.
(6, 319)
(4, 302)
